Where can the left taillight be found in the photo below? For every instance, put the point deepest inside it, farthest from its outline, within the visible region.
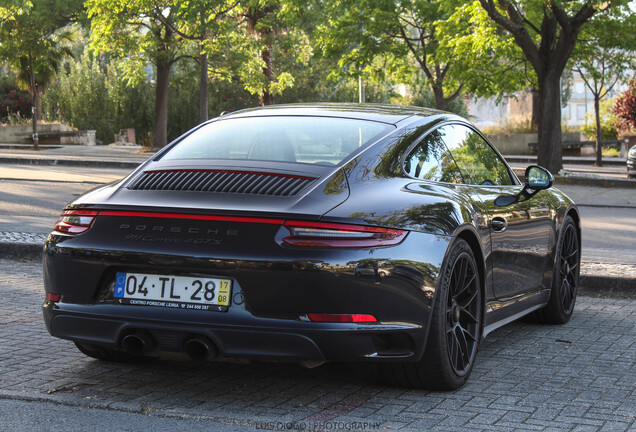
(321, 234)
(75, 221)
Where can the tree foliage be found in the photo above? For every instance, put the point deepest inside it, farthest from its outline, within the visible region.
(268, 27)
(10, 9)
(206, 22)
(30, 42)
(625, 108)
(92, 93)
(140, 31)
(416, 36)
(547, 33)
(603, 58)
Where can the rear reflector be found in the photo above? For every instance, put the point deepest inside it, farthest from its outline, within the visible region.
(341, 318)
(321, 234)
(52, 297)
(75, 221)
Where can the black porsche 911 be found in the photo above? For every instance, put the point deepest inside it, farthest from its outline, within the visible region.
(312, 233)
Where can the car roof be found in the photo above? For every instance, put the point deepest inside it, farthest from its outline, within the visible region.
(391, 114)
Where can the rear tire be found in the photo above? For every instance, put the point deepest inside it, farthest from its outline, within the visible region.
(565, 277)
(107, 354)
(455, 330)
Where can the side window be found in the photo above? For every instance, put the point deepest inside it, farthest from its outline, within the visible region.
(477, 161)
(429, 160)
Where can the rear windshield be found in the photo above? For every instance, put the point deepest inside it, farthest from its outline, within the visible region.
(314, 140)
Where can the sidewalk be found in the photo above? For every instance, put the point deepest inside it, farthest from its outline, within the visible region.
(587, 185)
(109, 156)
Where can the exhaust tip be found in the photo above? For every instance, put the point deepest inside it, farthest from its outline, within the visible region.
(137, 344)
(200, 349)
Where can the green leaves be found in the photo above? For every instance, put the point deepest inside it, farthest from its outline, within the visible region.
(447, 42)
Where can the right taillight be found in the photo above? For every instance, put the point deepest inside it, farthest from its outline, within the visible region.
(321, 234)
(75, 221)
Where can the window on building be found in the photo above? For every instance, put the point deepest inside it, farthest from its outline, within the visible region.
(579, 87)
(580, 111)
(565, 112)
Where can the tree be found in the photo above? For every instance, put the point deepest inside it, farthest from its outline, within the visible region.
(269, 23)
(204, 21)
(605, 58)
(547, 33)
(30, 42)
(38, 69)
(136, 30)
(9, 9)
(413, 32)
(625, 108)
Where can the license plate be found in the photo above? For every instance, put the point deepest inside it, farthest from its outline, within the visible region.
(183, 292)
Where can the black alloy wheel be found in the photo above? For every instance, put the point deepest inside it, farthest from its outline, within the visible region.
(565, 278)
(569, 268)
(463, 310)
(455, 330)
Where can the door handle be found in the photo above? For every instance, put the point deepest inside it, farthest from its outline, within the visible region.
(498, 223)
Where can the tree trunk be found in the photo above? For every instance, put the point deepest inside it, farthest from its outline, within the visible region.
(267, 98)
(550, 137)
(37, 102)
(34, 124)
(534, 121)
(203, 86)
(438, 92)
(599, 132)
(34, 110)
(161, 104)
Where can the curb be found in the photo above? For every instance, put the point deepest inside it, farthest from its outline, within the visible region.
(586, 180)
(21, 251)
(590, 285)
(599, 182)
(565, 160)
(71, 162)
(607, 286)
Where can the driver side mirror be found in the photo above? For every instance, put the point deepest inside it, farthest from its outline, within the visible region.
(537, 178)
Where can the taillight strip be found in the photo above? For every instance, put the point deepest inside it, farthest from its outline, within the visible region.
(337, 226)
(303, 233)
(75, 221)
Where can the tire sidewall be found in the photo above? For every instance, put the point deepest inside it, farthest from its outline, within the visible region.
(555, 307)
(437, 338)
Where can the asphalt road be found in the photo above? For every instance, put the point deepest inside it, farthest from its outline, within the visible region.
(577, 377)
(609, 234)
(32, 197)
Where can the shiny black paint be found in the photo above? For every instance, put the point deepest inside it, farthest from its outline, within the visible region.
(275, 284)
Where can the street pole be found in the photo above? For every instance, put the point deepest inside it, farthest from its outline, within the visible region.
(361, 95)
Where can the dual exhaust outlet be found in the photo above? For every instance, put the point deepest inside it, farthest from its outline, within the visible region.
(198, 348)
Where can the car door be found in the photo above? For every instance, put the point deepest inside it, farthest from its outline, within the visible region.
(521, 233)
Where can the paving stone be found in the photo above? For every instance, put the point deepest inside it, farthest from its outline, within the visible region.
(579, 376)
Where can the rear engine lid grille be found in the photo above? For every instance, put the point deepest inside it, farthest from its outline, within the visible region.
(220, 181)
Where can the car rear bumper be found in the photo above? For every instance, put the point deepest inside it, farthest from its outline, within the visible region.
(289, 341)
(272, 293)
